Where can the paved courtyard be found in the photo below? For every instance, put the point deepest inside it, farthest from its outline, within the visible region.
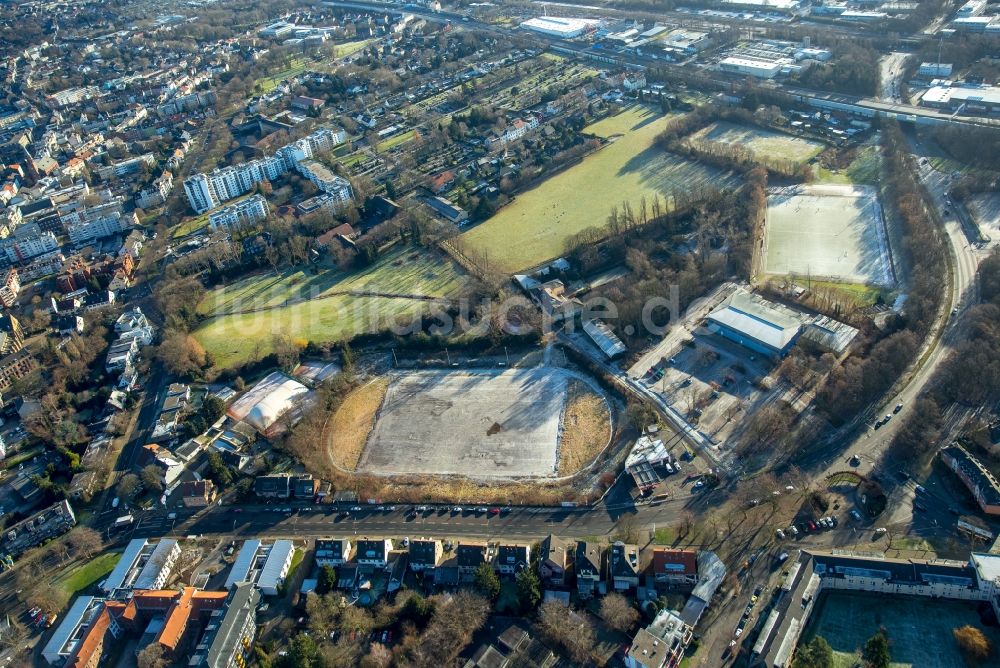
(485, 424)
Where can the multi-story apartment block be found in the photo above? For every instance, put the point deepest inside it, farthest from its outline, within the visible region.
(200, 193)
(103, 226)
(10, 285)
(28, 242)
(229, 636)
(238, 215)
(206, 191)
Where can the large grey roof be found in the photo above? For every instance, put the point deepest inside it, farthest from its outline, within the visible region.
(125, 564)
(772, 324)
(70, 621)
(604, 338)
(270, 575)
(244, 562)
(222, 639)
(155, 564)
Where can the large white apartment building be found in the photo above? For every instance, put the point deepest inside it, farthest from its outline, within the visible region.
(103, 226)
(207, 191)
(27, 243)
(238, 214)
(339, 189)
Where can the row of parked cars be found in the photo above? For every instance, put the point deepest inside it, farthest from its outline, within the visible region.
(807, 526)
(38, 618)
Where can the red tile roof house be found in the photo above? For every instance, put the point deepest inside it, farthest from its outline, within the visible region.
(324, 240)
(675, 569)
(442, 182)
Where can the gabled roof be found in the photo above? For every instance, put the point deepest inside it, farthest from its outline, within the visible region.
(373, 549)
(470, 555)
(766, 322)
(513, 555)
(423, 552)
(588, 558)
(623, 560)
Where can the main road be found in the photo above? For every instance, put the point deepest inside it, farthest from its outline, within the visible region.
(966, 254)
(286, 519)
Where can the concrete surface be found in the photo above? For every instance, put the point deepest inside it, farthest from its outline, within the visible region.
(485, 424)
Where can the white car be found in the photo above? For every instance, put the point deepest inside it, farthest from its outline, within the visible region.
(780, 534)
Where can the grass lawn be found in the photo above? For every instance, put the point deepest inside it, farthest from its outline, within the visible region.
(396, 140)
(586, 428)
(858, 294)
(864, 170)
(190, 226)
(350, 48)
(83, 576)
(507, 603)
(328, 306)
(762, 143)
(265, 85)
(22, 457)
(350, 426)
(919, 629)
(543, 218)
(664, 536)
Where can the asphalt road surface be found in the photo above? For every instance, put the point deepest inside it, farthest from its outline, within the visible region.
(301, 521)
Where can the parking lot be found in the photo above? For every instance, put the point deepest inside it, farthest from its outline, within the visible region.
(711, 382)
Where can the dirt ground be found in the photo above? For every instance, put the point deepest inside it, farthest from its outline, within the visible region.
(348, 430)
(586, 428)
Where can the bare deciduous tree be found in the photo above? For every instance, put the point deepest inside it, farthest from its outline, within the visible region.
(618, 612)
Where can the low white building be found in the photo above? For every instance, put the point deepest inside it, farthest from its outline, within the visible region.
(143, 565)
(754, 68)
(133, 324)
(264, 565)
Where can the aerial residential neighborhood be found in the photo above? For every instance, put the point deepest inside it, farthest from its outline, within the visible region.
(499, 334)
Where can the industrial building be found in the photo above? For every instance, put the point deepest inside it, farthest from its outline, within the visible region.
(934, 70)
(262, 565)
(565, 28)
(756, 323)
(604, 338)
(772, 329)
(977, 100)
(750, 67)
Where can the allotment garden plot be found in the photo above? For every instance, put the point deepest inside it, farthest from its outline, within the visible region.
(535, 226)
(481, 424)
(764, 144)
(834, 232)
